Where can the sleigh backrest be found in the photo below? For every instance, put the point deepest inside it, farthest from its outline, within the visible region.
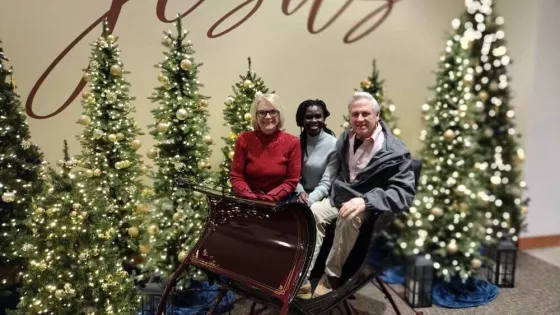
(262, 249)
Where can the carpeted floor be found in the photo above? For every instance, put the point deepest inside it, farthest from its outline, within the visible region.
(537, 292)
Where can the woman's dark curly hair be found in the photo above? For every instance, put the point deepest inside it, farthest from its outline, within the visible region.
(300, 117)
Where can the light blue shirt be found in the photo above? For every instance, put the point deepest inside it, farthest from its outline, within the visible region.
(320, 167)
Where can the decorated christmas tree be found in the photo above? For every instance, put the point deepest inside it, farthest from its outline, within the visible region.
(182, 151)
(109, 143)
(20, 174)
(238, 118)
(73, 268)
(447, 220)
(499, 155)
(374, 86)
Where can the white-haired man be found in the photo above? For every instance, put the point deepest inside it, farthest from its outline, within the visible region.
(375, 175)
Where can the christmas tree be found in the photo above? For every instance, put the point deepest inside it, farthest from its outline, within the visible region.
(182, 151)
(499, 154)
(109, 142)
(238, 117)
(447, 221)
(374, 86)
(20, 174)
(73, 269)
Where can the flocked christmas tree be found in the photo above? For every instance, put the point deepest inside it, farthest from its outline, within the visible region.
(73, 268)
(238, 118)
(499, 154)
(110, 141)
(20, 173)
(447, 220)
(182, 151)
(374, 85)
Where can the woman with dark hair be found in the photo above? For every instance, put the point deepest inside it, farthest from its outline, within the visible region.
(319, 163)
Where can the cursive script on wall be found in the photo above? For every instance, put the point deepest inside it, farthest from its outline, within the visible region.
(381, 12)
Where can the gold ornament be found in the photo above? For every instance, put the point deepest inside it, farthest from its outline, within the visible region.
(162, 78)
(116, 70)
(112, 138)
(248, 117)
(59, 294)
(182, 255)
(111, 38)
(437, 211)
(87, 77)
(153, 229)
(167, 41)
(229, 100)
(397, 132)
(524, 210)
(135, 144)
(97, 172)
(452, 248)
(84, 120)
(230, 155)
(144, 249)
(162, 126)
(120, 136)
(365, 83)
(91, 100)
(176, 216)
(208, 140)
(152, 153)
(449, 135)
(203, 103)
(8, 197)
(247, 83)
(494, 86)
(476, 263)
(483, 95)
(85, 95)
(233, 136)
(89, 173)
(181, 114)
(133, 231)
(186, 64)
(201, 164)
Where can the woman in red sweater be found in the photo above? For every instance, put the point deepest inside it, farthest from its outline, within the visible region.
(267, 161)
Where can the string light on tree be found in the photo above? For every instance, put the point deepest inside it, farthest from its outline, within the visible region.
(112, 166)
(450, 195)
(182, 142)
(499, 145)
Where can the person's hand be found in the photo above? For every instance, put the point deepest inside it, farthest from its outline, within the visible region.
(353, 207)
(302, 197)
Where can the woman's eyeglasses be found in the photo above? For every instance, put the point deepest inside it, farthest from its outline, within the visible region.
(263, 113)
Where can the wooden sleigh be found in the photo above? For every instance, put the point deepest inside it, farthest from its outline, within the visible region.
(261, 251)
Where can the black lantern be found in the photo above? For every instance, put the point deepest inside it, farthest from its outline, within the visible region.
(419, 280)
(151, 295)
(504, 258)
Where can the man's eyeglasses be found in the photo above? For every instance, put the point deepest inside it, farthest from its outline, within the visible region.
(263, 113)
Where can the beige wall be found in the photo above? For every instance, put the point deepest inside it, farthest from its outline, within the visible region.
(295, 63)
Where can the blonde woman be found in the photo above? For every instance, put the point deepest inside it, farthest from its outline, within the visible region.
(267, 161)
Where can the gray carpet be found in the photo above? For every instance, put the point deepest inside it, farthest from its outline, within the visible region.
(537, 292)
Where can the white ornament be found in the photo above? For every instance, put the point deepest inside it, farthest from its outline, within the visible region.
(8, 197)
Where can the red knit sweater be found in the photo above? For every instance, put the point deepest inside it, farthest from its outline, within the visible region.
(265, 166)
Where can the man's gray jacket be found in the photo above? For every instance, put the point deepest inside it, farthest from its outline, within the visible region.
(386, 183)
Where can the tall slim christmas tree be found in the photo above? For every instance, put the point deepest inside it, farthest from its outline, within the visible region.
(447, 220)
(374, 85)
(73, 268)
(238, 118)
(499, 154)
(182, 151)
(109, 142)
(20, 174)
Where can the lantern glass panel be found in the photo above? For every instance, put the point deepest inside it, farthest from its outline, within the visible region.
(504, 256)
(419, 281)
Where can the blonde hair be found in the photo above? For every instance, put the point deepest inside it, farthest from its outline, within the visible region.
(274, 100)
